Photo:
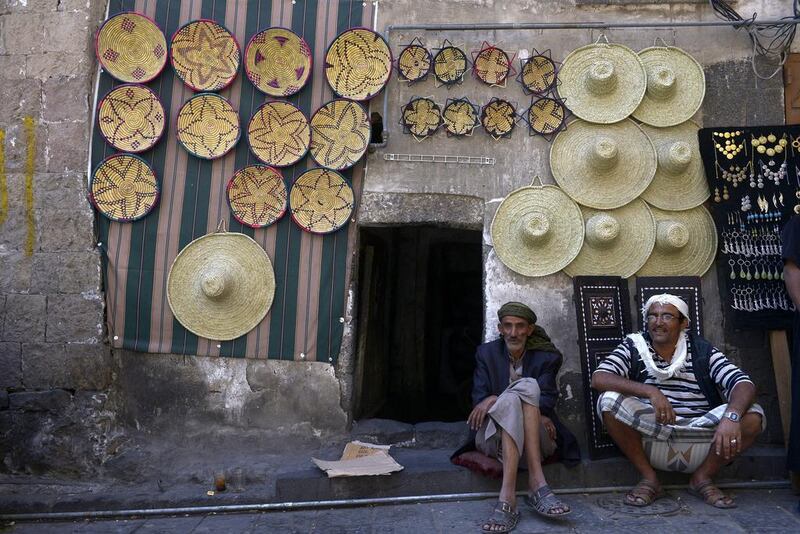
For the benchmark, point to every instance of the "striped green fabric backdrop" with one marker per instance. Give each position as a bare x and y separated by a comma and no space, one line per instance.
311,271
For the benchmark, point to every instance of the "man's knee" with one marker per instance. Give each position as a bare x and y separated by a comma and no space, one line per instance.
751,424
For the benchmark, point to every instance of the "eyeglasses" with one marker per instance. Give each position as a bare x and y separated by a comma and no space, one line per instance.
666,317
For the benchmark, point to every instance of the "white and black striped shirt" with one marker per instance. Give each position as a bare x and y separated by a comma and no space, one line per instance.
682,389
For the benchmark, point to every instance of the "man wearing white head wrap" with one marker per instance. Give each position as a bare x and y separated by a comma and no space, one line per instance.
662,406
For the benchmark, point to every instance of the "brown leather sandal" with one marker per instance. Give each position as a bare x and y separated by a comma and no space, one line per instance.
712,495
503,516
643,494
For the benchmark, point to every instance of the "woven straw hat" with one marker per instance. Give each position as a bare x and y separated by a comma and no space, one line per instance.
676,86
603,82
537,230
221,285
131,47
603,166
680,181
358,64
617,242
205,55
686,242
131,118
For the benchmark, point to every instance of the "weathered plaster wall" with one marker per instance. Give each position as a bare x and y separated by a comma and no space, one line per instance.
734,96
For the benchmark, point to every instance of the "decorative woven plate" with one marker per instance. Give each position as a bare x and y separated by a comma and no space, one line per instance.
498,118
124,188
546,116
257,196
358,64
321,201
277,61
131,118
538,74
491,66
205,55
279,134
421,117
449,65
131,47
414,63
339,134
460,117
208,126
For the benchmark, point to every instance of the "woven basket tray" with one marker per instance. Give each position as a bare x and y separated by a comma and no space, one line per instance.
321,201
340,134
358,64
421,117
131,118
131,47
205,55
279,134
124,188
278,62
208,126
257,196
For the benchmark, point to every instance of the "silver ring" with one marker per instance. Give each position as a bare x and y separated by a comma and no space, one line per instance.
733,440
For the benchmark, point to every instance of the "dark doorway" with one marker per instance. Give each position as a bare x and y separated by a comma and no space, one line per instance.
419,321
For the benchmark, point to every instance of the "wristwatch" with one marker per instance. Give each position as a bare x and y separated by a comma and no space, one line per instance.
733,416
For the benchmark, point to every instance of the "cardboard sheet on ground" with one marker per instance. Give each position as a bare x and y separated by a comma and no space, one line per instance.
360,459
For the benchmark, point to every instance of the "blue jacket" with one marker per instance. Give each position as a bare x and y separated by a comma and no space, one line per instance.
491,378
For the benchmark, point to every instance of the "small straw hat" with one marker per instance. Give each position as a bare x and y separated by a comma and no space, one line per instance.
131,47
358,64
602,83
617,242
680,181
537,230
205,55
603,166
686,243
221,285
676,86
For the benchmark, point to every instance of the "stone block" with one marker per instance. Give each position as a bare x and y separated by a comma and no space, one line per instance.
15,272
65,99
22,33
74,318
66,32
382,431
88,366
67,146
17,140
43,365
49,64
78,272
12,67
60,189
20,99
27,6
65,229
25,317
439,435
45,272
10,365
3,399
54,400
15,232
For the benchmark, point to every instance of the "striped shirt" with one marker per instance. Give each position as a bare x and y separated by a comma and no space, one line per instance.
681,390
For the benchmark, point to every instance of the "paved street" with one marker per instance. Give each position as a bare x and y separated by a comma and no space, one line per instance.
759,511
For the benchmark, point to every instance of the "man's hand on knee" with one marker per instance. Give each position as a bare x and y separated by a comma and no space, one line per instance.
478,414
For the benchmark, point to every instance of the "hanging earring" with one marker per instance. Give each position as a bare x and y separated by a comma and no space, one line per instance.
725,195
733,273
716,195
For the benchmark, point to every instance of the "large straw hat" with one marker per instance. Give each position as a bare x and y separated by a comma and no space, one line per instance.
676,86
537,230
603,166
617,242
686,242
221,285
603,82
680,181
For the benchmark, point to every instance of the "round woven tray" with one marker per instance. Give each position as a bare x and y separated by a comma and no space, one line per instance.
546,116
449,65
257,196
279,134
538,74
321,201
460,117
340,133
414,63
421,117
124,188
205,55
498,118
131,118
208,126
131,47
491,66
277,61
358,64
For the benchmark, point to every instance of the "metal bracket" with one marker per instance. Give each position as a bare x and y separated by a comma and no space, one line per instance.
439,158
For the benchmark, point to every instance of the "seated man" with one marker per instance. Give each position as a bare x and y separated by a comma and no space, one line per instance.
662,406
514,395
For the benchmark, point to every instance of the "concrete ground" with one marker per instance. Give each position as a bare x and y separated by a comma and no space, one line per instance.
762,511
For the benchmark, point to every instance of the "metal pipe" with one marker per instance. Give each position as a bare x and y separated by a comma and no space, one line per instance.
556,26
340,503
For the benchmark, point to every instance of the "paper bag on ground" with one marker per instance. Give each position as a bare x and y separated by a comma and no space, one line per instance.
360,459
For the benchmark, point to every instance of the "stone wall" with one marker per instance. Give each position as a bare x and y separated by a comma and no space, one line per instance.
54,368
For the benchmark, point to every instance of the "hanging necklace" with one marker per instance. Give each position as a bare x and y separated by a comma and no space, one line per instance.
726,144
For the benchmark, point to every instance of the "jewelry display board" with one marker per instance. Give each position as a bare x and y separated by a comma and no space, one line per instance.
754,178
601,303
